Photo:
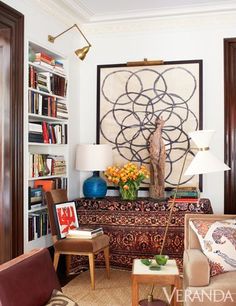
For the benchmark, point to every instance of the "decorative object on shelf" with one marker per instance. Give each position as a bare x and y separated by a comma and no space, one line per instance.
81,53
128,178
94,157
157,161
31,55
203,162
129,100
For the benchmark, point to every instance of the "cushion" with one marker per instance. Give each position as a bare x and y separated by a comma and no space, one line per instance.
58,298
218,243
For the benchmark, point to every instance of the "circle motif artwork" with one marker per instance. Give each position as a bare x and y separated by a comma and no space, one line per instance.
131,98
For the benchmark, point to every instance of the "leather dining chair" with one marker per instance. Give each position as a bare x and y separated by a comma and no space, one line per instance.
69,246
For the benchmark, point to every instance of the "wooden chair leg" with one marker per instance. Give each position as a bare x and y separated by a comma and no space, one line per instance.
91,269
56,260
68,262
107,261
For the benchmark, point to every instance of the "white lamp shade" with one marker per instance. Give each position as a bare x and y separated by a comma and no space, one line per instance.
91,157
202,138
205,162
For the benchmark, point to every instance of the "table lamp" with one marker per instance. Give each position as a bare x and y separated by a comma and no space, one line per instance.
95,158
203,162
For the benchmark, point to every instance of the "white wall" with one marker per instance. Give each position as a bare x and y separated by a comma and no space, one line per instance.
175,38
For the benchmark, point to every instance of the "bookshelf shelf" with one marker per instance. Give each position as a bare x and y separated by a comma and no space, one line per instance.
46,177
47,141
43,93
46,69
32,210
47,144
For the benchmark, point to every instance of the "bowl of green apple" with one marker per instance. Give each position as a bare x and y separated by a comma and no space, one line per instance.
161,259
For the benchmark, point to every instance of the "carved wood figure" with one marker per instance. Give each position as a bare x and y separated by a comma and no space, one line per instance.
157,161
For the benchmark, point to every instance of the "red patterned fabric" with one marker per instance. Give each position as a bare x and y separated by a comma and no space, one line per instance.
136,228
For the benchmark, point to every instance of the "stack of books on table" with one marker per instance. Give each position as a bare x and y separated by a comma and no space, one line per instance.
84,232
186,194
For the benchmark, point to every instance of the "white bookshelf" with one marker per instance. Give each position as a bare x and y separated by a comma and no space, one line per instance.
33,237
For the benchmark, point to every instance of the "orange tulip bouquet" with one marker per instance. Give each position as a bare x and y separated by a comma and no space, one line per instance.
128,178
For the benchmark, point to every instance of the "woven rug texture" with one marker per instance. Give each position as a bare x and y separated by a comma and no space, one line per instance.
115,291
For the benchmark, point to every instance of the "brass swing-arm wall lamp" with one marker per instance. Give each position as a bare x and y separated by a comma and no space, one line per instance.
81,53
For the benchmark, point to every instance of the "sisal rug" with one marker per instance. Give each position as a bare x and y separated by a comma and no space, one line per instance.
115,291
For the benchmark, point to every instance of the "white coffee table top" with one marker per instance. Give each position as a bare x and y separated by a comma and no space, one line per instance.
169,269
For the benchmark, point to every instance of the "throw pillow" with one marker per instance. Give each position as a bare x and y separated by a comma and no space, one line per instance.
218,243
58,298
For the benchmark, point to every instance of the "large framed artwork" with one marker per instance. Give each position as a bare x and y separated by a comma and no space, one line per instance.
131,98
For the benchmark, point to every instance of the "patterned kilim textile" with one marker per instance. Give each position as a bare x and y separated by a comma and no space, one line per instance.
136,228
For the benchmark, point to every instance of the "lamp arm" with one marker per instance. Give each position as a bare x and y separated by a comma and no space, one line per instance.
52,38
173,201
82,34
55,37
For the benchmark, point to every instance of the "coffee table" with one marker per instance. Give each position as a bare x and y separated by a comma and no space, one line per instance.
168,275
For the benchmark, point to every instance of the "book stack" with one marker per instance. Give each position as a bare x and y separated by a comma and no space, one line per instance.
44,164
58,85
84,233
38,225
43,81
44,59
62,111
58,165
47,82
43,132
49,184
186,194
35,132
59,67
35,197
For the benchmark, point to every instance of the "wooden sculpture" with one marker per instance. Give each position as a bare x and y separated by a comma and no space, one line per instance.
157,161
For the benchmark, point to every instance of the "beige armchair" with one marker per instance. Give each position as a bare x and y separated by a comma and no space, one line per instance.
199,288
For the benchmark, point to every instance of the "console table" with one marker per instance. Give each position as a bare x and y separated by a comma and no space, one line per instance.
136,228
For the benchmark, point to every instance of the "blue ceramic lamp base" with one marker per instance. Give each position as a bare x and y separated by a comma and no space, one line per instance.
95,187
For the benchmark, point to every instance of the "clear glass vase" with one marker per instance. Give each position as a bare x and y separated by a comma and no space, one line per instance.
129,194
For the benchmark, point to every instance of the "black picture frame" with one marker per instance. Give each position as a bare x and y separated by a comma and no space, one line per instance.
68,221
102,77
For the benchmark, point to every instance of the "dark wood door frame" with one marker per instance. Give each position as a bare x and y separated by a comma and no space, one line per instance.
230,124
12,204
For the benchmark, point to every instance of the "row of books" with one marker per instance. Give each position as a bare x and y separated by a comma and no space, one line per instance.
47,82
46,165
44,132
84,232
36,192
38,225
186,194
46,106
48,61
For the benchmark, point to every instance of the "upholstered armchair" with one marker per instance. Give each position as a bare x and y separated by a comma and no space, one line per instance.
201,288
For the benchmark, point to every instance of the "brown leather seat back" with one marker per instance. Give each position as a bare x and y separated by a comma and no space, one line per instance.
52,197
28,280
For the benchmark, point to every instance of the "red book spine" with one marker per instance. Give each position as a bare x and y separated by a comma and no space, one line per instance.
45,132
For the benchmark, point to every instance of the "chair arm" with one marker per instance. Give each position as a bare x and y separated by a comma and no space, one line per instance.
196,268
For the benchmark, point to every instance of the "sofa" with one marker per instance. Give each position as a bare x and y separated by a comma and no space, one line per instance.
200,288
30,280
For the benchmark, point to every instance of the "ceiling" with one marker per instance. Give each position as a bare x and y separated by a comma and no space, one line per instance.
109,10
